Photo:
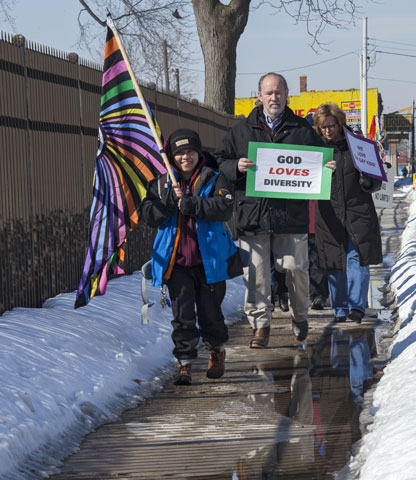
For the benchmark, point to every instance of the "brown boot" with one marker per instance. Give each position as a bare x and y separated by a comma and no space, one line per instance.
260,338
184,375
216,367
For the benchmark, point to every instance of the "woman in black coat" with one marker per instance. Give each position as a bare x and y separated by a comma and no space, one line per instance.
347,229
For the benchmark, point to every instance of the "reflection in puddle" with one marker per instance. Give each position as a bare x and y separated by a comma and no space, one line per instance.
317,394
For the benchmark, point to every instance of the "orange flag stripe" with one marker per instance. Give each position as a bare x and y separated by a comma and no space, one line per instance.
111,46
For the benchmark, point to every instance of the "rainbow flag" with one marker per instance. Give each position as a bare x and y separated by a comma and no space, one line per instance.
128,157
374,133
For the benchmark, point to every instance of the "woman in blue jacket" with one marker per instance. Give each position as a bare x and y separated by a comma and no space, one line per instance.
193,253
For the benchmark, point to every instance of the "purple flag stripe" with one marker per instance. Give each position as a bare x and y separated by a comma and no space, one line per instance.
111,181
114,133
118,197
122,119
112,72
141,151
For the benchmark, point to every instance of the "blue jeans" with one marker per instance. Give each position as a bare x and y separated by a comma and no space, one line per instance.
348,290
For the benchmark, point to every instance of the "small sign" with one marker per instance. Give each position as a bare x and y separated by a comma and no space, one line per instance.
365,155
352,112
384,197
289,171
397,122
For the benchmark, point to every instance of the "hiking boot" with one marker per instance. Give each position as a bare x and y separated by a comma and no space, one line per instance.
356,315
216,367
300,330
318,303
284,302
184,375
260,338
340,319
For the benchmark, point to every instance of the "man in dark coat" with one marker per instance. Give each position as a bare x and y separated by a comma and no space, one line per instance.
270,226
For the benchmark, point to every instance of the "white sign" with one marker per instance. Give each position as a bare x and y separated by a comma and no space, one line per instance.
289,171
365,156
384,197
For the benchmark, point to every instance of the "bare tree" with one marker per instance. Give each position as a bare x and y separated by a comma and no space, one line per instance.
143,26
316,14
220,27
6,8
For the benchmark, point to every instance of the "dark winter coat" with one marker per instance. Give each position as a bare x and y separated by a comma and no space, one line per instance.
264,215
349,211
210,205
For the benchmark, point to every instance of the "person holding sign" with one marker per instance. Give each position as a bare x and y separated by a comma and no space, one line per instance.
270,226
347,229
193,253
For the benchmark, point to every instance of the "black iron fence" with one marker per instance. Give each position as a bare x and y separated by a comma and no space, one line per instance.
49,106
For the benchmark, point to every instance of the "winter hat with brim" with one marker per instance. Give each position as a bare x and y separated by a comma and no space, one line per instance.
184,139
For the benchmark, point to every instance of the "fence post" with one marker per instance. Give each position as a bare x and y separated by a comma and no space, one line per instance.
20,41
74,58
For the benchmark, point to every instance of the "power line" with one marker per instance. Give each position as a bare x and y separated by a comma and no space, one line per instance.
400,54
391,80
374,45
397,43
304,66
288,69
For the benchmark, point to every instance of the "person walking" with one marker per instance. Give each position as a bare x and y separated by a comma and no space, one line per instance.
270,226
346,226
193,253
318,278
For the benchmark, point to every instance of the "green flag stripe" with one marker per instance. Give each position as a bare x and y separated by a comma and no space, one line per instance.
123,87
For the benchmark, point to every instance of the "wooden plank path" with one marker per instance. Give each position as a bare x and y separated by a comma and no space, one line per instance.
284,412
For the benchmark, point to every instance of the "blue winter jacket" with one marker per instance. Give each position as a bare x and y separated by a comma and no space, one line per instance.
210,206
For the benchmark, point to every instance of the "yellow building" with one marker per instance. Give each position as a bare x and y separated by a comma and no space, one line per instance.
308,102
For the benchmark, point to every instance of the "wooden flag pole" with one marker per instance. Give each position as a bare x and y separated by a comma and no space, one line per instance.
147,114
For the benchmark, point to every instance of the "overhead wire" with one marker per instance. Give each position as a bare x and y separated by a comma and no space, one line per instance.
356,51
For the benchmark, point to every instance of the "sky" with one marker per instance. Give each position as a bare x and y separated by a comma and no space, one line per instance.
273,43
64,372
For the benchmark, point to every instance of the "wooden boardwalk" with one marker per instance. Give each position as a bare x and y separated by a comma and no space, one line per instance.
286,412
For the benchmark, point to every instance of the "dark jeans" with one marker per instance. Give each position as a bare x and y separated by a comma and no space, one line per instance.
348,290
318,279
188,286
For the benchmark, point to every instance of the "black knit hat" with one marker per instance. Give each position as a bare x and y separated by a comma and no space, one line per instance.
184,139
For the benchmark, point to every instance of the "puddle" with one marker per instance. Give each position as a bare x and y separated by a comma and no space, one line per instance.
315,396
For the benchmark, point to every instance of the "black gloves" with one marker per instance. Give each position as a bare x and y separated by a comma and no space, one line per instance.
365,182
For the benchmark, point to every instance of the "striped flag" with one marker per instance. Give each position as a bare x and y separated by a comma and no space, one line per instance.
374,133
128,157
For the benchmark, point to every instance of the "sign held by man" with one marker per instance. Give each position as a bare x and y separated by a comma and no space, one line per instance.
289,171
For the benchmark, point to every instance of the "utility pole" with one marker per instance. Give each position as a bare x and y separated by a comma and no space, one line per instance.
364,115
176,72
165,64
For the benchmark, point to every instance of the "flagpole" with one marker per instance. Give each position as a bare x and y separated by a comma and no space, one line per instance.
110,23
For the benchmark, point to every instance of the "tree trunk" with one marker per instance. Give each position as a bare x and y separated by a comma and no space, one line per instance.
219,29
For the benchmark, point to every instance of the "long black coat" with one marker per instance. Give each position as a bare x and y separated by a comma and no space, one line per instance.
350,211
264,215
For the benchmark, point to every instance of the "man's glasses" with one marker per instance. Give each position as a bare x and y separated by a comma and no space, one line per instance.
328,127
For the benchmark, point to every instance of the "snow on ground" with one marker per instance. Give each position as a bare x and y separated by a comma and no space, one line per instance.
387,450
65,371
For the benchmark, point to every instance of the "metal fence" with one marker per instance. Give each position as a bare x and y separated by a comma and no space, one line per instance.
49,106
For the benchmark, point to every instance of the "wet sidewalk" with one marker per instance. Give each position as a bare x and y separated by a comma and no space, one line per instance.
288,412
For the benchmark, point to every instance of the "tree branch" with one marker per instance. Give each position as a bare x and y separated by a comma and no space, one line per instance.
93,15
